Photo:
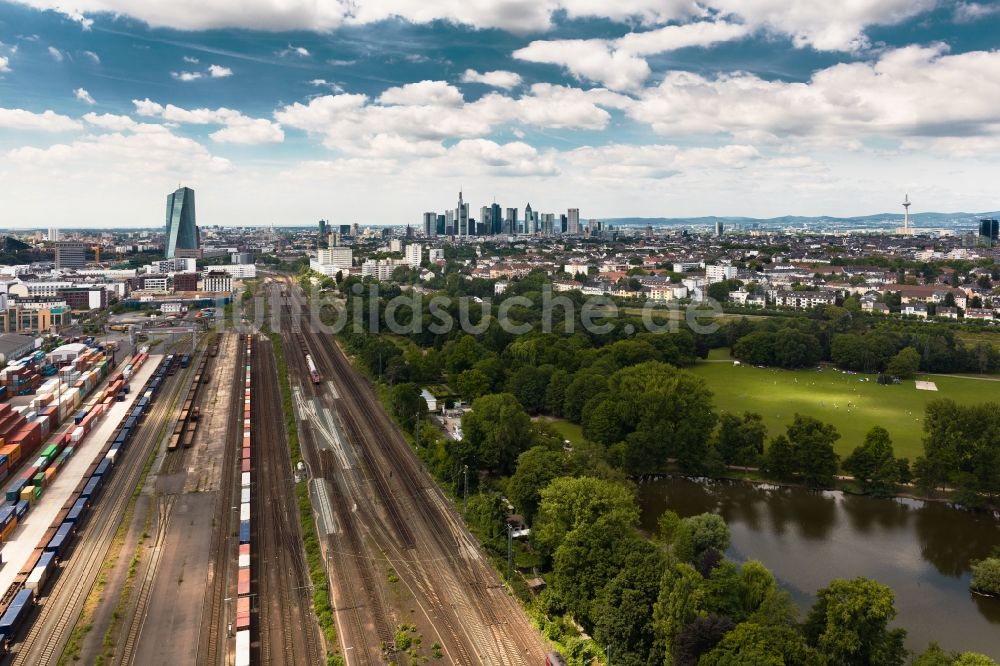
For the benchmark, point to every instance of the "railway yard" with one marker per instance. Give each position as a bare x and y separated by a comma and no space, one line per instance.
398,553
161,524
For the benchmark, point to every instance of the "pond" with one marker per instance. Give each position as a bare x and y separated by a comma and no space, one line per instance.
920,549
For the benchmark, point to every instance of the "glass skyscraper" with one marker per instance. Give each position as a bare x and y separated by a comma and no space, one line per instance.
182,232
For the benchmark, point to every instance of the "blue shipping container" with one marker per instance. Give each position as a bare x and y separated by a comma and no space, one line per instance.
79,507
93,486
14,492
21,508
81,415
19,608
103,468
6,514
60,541
244,531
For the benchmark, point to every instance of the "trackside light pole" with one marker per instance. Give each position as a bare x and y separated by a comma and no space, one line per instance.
510,552
465,497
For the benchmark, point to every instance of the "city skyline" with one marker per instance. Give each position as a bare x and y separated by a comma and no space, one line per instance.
278,111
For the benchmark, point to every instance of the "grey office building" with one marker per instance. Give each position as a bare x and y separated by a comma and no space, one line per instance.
71,254
182,231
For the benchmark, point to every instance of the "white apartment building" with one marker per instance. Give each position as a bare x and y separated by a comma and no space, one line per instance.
719,273
381,269
414,252
435,254
238,271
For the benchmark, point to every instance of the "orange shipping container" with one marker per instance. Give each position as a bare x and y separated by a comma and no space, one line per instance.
10,529
13,453
243,586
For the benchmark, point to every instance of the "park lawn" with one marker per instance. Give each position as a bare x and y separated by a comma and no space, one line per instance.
853,406
571,431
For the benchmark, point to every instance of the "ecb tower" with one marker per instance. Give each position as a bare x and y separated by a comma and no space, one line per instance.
182,232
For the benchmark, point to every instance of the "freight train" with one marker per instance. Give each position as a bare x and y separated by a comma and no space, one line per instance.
246,510
56,543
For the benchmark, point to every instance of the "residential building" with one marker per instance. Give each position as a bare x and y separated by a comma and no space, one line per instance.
915,310
381,269
238,271
414,253
217,281
71,254
182,230
720,273
805,299
53,234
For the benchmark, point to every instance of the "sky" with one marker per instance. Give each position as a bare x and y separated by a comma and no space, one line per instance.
375,111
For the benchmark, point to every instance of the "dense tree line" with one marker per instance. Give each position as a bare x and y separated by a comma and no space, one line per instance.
856,343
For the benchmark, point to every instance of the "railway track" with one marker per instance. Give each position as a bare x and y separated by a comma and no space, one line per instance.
61,607
138,617
288,632
215,614
460,590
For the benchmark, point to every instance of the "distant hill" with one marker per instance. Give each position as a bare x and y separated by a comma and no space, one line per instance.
878,221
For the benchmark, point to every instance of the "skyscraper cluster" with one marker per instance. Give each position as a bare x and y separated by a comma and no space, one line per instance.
496,221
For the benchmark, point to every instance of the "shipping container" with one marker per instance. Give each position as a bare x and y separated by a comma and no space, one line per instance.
92,488
41,573
245,480
20,509
61,541
245,466
243,612
244,496
20,608
245,511
14,490
103,468
243,582
243,648
78,511
244,561
244,531
9,528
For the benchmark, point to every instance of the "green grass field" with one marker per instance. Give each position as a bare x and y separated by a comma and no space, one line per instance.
570,431
853,406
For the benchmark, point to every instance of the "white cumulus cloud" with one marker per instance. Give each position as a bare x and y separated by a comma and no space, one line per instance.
186,76
56,54
47,121
238,128
497,79
84,96
219,72
423,93
4,64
